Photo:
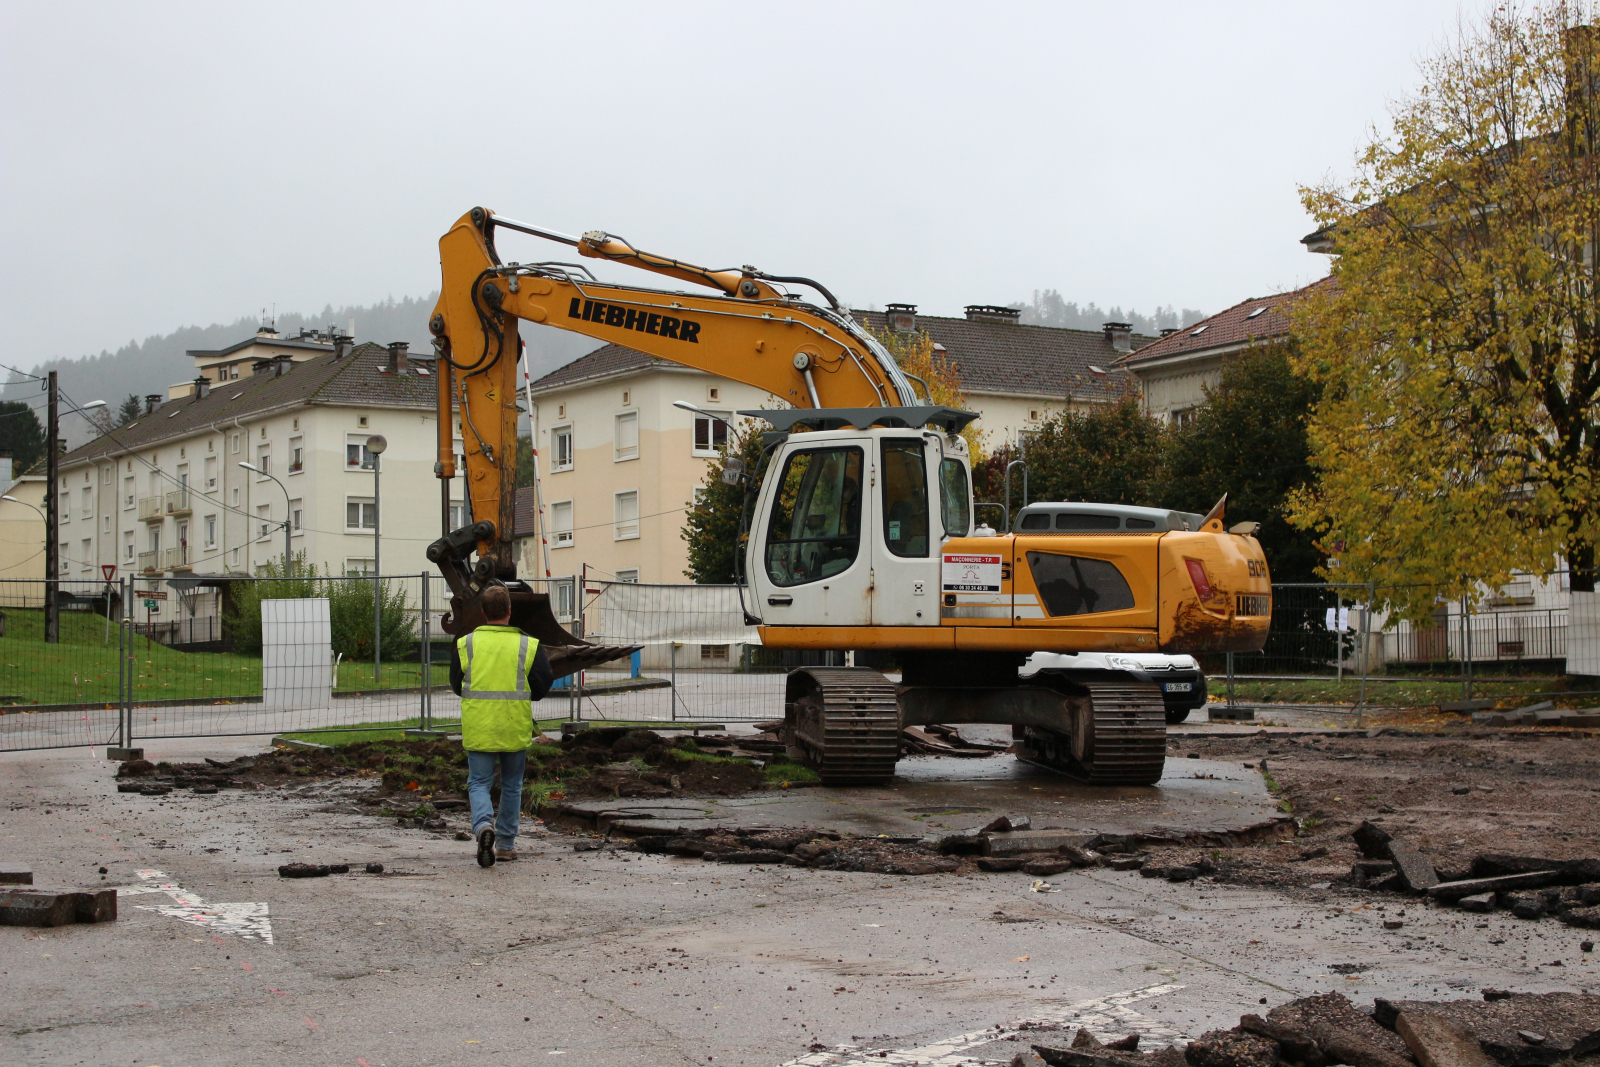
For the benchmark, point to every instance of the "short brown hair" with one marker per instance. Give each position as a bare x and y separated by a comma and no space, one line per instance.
496,602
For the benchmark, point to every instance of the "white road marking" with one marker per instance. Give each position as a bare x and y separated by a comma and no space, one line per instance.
1106,1017
247,920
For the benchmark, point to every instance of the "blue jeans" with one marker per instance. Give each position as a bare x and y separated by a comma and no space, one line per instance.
480,775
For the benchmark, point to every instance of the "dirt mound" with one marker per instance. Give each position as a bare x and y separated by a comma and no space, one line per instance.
608,762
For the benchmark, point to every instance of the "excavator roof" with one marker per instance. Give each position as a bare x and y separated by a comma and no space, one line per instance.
950,420
1074,517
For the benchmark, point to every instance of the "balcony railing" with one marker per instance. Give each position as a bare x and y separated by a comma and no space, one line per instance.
178,502
175,558
152,509
150,562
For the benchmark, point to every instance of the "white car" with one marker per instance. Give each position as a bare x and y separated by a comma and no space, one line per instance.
1183,684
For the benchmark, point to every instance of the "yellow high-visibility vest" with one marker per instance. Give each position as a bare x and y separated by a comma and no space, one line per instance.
496,705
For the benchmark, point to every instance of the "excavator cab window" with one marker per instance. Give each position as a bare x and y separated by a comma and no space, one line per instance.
815,531
905,497
953,497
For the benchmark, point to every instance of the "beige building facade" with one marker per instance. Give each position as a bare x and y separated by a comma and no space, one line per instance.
22,528
165,497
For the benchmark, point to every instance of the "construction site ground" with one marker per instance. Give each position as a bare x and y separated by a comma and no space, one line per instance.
609,956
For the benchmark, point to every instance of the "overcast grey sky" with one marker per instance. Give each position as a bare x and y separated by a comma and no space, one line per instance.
168,164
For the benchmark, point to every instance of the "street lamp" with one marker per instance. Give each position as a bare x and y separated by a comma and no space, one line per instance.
286,523
376,444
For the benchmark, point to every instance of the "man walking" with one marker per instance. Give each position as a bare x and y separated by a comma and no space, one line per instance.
497,670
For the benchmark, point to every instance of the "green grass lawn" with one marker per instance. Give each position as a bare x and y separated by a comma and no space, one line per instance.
1410,692
83,667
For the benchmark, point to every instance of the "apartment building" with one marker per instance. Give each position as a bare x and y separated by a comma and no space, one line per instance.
165,496
621,464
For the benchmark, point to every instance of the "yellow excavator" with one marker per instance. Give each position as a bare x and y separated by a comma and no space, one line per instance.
861,535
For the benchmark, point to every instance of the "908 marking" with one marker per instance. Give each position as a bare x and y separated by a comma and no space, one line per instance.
1257,567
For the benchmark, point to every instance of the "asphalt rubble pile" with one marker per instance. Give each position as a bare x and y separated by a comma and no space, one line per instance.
159,779
1530,887
1008,843
1510,1029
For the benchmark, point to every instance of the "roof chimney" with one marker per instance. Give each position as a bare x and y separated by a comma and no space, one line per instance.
902,318
202,387
993,313
151,402
281,365
266,330
260,366
1120,334
343,345
1168,331
397,357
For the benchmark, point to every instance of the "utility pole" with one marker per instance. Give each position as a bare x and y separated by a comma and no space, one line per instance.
52,517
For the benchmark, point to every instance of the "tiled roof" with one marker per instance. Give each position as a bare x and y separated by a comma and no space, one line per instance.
602,362
1003,357
354,381
993,357
1260,318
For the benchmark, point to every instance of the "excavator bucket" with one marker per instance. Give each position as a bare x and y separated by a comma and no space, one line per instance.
530,613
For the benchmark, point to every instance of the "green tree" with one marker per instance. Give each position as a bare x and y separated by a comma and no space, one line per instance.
1457,438
711,525
129,410
1248,439
21,433
524,461
350,609
1108,454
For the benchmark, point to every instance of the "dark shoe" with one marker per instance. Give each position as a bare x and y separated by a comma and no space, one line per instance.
486,847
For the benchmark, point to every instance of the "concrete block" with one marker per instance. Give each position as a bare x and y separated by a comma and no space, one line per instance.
1034,841
1581,717
1439,1042
94,905
1479,902
289,742
1236,713
33,907
1552,717
1415,872
124,755
15,874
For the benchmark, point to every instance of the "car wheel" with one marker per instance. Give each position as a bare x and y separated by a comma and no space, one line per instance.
1176,715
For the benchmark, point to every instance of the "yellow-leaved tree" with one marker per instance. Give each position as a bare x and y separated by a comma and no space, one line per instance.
914,351
1457,343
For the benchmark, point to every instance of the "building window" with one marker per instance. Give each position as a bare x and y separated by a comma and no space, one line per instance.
211,531
294,516
630,576
263,462
105,524
357,457
625,515
236,557
561,411
127,547
562,592
710,433
296,455
263,521
83,562
105,475
358,566
561,448
211,474
127,493
625,395
61,558
713,653
561,523
234,446
458,515
235,501
713,393
626,442
360,513
1184,417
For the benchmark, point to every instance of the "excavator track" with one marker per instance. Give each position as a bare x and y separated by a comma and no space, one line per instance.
1118,736
845,721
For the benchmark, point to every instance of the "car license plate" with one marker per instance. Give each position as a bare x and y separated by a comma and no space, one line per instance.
1178,687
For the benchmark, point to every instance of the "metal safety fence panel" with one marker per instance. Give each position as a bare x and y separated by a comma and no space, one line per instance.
138,659
700,661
